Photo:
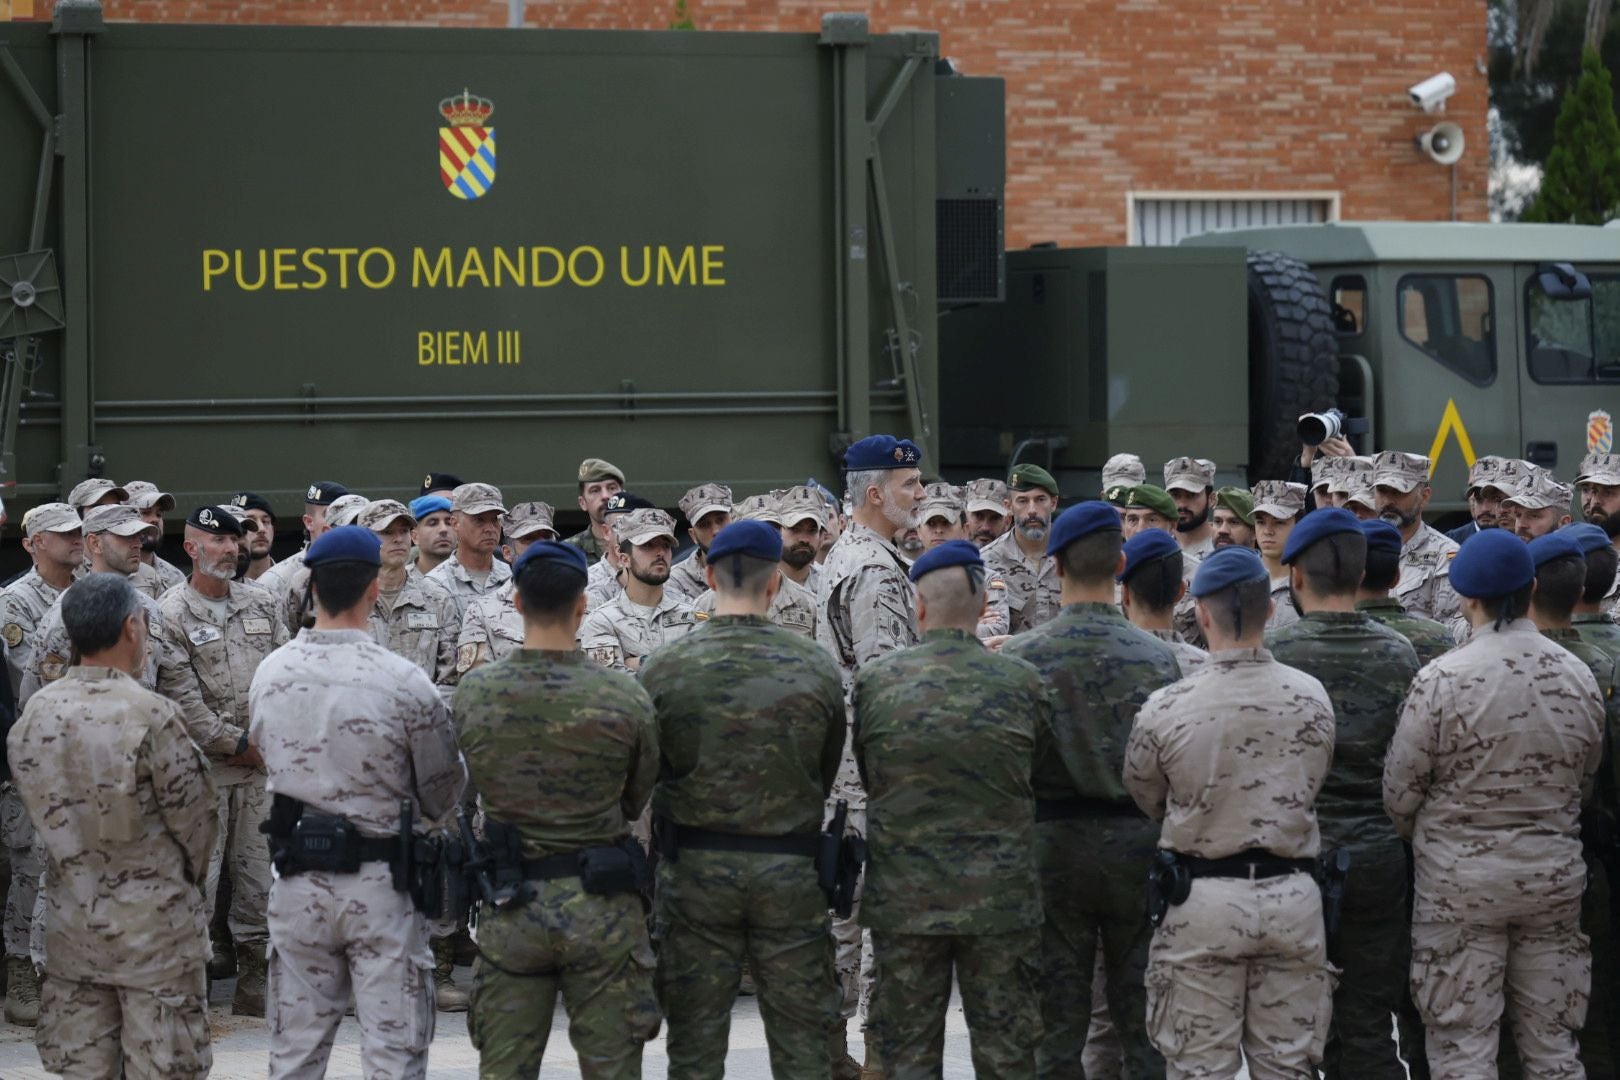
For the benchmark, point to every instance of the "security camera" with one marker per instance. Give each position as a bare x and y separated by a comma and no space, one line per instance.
1430,95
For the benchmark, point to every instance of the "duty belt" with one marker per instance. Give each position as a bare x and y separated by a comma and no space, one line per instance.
689,836
1078,807
1253,864
552,867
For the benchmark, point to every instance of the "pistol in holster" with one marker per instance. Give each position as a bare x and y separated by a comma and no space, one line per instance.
839,859
493,866
1169,883
1332,871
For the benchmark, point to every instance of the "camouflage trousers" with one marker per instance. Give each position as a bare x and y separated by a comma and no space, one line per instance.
241,851
1241,966
911,990
718,908
1372,949
1462,973
337,937
594,952
27,862
1094,892
852,946
97,1030
1103,1057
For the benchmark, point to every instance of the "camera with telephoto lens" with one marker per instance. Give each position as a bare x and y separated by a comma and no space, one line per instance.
1317,428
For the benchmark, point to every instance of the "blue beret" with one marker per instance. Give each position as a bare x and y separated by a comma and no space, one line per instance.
1589,536
555,551
950,553
1319,525
1381,536
1145,546
423,505
1081,519
1492,563
1555,545
346,543
1227,567
882,452
756,539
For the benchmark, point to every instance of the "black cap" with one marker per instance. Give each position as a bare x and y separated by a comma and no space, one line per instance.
440,481
216,520
622,502
252,500
324,493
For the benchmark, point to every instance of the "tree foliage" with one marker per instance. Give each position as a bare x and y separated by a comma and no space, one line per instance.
1581,184
1535,56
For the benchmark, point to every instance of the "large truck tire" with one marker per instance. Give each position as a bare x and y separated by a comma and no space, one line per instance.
1293,358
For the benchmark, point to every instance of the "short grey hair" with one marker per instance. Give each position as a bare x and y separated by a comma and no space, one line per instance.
857,482
94,610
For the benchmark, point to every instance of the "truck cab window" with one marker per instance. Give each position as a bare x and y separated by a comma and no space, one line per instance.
1451,319
1349,296
1574,341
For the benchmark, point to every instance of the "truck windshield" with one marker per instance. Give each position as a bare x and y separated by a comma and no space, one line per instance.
1574,341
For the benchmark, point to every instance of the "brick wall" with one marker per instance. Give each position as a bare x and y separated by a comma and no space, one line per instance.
1105,97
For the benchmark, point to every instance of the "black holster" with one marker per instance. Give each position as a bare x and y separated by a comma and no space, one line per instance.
608,871
1169,883
1332,871
839,860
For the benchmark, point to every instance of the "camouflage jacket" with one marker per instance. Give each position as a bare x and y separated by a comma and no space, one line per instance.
1424,587
1366,669
208,666
945,734
1285,612
463,588
601,585
285,581
127,816
492,630
1188,656
868,605
1033,591
1599,630
350,729
52,654
1101,669
792,608
1606,670
24,604
1232,757
1498,741
750,728
588,543
421,625
1429,638
687,578
168,574
558,748
621,634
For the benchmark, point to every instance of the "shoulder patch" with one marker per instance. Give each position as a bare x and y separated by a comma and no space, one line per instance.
13,634
466,657
52,667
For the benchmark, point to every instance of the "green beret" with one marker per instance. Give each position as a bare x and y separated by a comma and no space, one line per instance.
1237,500
1152,497
1029,477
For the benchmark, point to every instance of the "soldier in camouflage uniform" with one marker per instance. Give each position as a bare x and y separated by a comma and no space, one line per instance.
1485,495
349,730
565,753
1016,559
1538,503
867,607
707,509
1191,483
1599,485
1278,506
985,502
415,618
216,632
1151,584
1089,839
1400,484
803,512
608,573
1601,559
1366,668
1497,741
945,734
1231,759
256,508
598,481
1233,517
492,628
317,497
1383,570
96,491
793,607
751,731
1122,470
126,916
472,570
152,504
623,632
297,609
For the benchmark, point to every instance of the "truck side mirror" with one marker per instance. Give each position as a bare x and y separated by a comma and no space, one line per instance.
1561,281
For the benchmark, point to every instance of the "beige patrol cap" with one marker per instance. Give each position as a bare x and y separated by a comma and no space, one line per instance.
143,495
1513,473
345,509
1189,474
1123,470
248,523
1485,472
704,499
527,518
1279,498
593,470
1323,469
1399,470
941,500
758,508
986,493
1599,469
476,499
1362,495
1539,490
639,526
120,519
802,503
51,517
86,492
1350,474
377,516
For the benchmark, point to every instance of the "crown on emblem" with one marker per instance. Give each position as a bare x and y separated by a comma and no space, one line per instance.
466,109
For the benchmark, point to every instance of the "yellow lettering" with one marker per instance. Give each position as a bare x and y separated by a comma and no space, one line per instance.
472,263
573,268
505,265
212,268
624,267
535,255
452,349
476,347
343,263
283,262
314,267
685,268
241,282
388,261
426,354
712,264
439,269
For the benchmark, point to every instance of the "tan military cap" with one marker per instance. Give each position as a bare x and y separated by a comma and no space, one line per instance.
476,499
51,517
377,516
86,492
248,523
527,518
1599,469
758,508
120,519
143,496
345,510
941,500
986,493
1322,469
802,503
1189,474
640,526
594,469
1279,498
704,499
1350,474
1362,495
1484,472
1512,473
1539,490
1123,470
1400,470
